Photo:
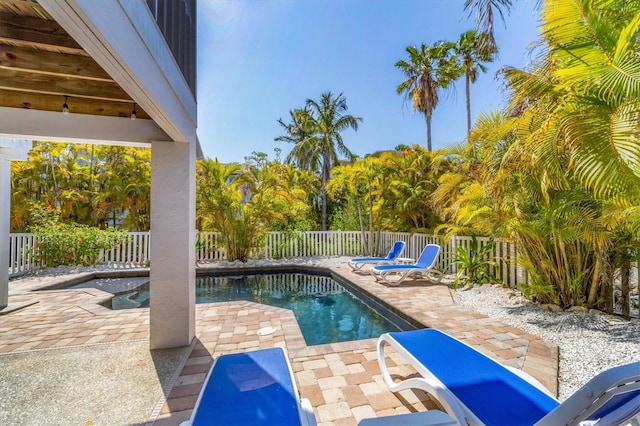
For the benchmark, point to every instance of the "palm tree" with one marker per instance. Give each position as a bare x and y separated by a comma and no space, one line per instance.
477,197
584,97
484,12
316,131
298,130
467,49
559,173
427,69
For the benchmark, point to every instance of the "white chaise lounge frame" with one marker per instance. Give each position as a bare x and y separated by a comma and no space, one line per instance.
578,407
423,268
357,263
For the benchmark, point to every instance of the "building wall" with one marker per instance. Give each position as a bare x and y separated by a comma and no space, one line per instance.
177,21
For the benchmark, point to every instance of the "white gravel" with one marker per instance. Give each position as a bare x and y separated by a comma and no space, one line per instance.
589,342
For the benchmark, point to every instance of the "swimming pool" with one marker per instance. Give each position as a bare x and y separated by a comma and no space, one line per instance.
327,311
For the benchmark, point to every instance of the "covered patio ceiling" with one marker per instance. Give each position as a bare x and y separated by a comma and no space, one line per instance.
101,56
41,64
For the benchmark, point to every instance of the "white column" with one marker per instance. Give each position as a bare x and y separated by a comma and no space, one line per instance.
10,149
5,207
172,275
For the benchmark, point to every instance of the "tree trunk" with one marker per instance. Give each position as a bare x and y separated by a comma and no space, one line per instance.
428,118
371,224
326,172
362,230
324,207
468,92
595,283
625,276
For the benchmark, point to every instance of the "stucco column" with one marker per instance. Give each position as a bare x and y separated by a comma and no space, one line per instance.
10,149
172,276
5,205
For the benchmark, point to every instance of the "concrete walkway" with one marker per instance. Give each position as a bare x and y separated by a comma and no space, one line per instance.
342,380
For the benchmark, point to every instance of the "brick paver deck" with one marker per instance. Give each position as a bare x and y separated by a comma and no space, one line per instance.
342,380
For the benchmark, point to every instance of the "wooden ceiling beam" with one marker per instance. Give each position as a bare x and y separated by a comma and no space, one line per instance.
25,8
54,63
60,85
81,128
35,31
46,102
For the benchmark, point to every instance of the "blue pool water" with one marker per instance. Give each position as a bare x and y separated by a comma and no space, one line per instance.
325,310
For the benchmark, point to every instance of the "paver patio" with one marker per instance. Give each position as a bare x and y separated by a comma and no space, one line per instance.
342,380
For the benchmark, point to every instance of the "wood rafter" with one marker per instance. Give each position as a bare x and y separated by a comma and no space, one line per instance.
36,32
61,85
47,102
40,64
53,63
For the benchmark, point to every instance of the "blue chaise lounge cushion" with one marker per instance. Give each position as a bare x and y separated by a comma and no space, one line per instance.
251,388
492,392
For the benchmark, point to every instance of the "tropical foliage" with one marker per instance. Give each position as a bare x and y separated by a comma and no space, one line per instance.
70,243
484,12
242,202
587,140
389,191
93,185
474,263
316,132
559,172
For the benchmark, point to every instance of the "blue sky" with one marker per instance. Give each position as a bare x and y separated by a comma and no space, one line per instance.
259,59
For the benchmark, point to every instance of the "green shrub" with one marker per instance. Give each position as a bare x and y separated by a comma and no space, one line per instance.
473,264
73,244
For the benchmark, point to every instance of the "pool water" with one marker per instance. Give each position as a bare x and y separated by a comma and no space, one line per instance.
325,310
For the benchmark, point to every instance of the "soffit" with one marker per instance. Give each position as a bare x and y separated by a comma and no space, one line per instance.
40,64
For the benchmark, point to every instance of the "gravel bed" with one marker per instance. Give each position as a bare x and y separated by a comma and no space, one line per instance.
589,342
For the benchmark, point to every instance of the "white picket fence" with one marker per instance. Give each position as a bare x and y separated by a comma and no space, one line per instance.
134,251
20,254
278,245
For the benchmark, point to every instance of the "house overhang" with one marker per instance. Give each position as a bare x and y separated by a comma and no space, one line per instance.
102,58
123,38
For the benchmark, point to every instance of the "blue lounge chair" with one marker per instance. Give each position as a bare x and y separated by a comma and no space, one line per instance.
357,263
251,388
423,268
476,390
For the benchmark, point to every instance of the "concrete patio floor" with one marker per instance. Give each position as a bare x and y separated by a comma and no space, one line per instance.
342,380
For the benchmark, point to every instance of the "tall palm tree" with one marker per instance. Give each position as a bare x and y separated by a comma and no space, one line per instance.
316,132
427,69
484,13
467,49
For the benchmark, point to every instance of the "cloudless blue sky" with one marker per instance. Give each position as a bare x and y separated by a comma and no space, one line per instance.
259,59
